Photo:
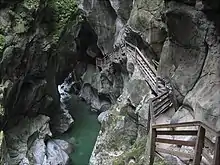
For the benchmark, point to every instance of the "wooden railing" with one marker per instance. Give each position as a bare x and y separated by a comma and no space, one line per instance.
200,144
144,65
160,104
109,57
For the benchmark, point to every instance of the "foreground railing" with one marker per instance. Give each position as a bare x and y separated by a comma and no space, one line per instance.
198,144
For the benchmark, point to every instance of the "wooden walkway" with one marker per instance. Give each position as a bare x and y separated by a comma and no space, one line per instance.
160,104
200,145
162,101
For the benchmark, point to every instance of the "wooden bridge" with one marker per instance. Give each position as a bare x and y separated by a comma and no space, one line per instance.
160,104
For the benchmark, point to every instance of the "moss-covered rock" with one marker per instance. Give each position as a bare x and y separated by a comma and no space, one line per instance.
64,11
136,152
31,4
159,161
2,43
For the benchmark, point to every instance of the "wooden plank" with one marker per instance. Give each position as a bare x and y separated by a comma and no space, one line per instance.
179,132
185,124
199,146
162,110
216,159
142,56
188,124
162,103
160,96
177,142
160,100
153,146
146,73
175,153
206,156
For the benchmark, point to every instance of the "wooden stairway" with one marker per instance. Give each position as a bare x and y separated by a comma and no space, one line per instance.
162,101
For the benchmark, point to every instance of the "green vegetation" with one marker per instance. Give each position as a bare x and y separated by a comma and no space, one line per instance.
64,10
2,42
31,4
159,161
136,152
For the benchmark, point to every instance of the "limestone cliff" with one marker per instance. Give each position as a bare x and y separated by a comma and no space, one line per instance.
41,42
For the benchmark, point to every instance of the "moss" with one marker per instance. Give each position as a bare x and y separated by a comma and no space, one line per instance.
2,43
136,152
159,161
1,111
31,4
64,10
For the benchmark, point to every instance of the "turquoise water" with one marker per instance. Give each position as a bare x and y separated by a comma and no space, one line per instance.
85,131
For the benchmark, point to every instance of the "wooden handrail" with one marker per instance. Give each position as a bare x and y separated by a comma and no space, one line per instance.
198,144
142,56
188,124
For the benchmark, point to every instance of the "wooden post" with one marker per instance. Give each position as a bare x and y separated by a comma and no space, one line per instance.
153,146
135,54
216,159
157,92
125,48
199,146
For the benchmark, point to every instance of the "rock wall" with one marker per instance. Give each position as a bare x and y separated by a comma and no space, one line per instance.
30,66
183,36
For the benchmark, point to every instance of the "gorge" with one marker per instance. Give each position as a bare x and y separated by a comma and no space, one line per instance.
78,78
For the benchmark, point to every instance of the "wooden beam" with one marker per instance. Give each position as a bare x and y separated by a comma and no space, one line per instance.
216,160
179,132
189,124
177,142
153,146
175,153
199,146
186,124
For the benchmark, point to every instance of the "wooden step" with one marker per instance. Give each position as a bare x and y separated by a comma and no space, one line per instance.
163,105
163,109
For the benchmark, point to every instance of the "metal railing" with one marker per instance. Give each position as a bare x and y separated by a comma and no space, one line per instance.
200,145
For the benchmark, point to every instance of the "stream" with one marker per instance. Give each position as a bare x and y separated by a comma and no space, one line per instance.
85,128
